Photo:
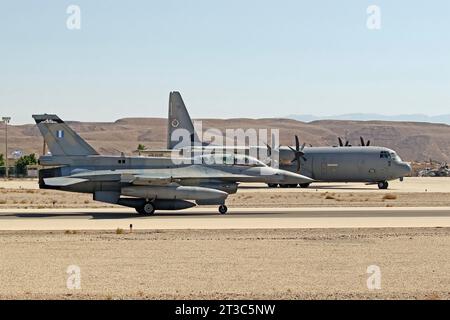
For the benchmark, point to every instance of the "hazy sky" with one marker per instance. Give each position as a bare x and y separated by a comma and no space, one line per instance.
233,58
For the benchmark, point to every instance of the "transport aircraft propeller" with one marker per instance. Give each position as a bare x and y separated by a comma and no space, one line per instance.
298,152
363,143
341,143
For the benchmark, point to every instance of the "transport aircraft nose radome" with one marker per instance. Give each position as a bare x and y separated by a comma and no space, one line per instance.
407,168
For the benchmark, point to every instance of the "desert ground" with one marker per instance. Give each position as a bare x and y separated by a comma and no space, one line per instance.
314,243
227,264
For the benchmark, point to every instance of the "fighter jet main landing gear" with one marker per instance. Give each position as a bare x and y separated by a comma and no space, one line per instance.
223,209
383,185
147,209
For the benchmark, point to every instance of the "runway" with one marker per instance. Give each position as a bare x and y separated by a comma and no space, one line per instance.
237,218
409,185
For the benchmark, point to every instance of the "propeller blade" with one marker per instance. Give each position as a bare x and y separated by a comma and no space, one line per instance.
368,143
303,146
362,141
346,143
298,152
296,158
295,154
341,144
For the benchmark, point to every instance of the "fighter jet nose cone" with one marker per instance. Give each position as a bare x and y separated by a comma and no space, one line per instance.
293,178
306,179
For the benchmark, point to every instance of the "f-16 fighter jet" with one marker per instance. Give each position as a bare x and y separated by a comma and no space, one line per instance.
146,184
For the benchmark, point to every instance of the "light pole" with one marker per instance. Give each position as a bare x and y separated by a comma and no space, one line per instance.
6,121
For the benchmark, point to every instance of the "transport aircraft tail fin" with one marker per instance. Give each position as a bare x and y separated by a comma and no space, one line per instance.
179,119
60,138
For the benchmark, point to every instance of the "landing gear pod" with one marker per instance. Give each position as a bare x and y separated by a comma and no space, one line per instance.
383,185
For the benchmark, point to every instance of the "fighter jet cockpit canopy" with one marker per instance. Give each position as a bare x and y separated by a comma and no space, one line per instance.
230,159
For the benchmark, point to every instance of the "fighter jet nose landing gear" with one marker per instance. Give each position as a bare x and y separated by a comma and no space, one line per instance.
304,185
147,209
223,209
383,185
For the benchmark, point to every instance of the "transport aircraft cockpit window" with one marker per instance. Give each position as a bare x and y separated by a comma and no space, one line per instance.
395,156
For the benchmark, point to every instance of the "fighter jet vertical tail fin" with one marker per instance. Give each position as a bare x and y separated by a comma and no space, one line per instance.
179,119
60,138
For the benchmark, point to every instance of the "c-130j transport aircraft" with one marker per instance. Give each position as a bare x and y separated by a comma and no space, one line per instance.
144,183
368,164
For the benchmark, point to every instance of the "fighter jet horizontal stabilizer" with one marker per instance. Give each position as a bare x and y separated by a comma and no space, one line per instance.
62,181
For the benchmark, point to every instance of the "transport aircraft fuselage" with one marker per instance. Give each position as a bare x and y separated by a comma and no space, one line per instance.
369,164
333,164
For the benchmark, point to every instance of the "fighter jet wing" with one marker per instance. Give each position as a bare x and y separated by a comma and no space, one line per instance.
148,178
100,176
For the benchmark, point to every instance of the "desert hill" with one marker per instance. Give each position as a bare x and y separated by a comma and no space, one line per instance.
414,141
442,118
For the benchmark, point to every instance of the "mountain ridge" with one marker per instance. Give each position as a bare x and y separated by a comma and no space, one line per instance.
443,118
414,141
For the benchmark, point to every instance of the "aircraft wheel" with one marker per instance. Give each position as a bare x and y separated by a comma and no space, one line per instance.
304,185
272,185
148,209
223,209
383,185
